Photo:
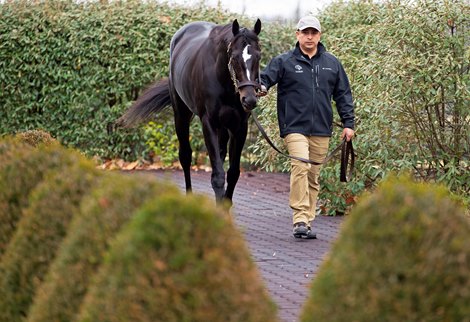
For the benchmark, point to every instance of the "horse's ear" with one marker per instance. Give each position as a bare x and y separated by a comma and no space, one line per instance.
235,27
257,29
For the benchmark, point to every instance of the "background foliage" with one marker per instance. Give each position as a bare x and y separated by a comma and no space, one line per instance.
408,64
73,68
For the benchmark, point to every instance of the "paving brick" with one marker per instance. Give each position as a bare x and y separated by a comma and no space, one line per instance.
261,212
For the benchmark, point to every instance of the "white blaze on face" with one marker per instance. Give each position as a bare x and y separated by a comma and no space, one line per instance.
246,57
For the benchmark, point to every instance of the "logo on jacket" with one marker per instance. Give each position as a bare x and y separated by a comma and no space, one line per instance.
298,69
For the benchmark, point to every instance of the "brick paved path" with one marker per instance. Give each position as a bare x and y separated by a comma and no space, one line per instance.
262,213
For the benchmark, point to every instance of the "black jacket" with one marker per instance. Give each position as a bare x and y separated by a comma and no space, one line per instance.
305,89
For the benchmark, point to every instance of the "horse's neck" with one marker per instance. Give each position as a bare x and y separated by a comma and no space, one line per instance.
222,61
220,37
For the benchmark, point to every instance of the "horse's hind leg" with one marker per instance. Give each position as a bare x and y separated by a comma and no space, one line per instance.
183,118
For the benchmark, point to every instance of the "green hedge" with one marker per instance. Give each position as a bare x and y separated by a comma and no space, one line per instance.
178,260
72,68
402,255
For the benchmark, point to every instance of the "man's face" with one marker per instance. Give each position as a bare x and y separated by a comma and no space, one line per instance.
308,38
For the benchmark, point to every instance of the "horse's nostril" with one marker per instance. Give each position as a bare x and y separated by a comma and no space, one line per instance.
248,102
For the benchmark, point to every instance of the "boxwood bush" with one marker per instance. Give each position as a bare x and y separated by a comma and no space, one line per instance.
179,259
11,198
102,213
402,255
22,168
43,224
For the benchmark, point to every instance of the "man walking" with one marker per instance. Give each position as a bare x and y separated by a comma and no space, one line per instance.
308,77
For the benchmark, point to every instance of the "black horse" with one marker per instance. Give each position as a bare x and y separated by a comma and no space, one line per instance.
214,73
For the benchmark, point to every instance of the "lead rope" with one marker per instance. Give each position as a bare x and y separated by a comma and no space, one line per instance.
346,147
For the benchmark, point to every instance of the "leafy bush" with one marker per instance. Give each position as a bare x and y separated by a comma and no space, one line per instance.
402,255
162,141
22,167
409,67
178,260
102,213
43,224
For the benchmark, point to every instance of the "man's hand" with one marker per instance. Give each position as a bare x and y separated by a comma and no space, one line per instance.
262,92
348,133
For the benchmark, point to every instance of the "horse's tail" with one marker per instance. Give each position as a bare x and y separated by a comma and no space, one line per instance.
153,100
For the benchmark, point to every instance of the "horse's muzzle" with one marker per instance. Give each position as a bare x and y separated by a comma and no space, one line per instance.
249,102
248,96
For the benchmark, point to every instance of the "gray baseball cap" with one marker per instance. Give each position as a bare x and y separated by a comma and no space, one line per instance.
308,22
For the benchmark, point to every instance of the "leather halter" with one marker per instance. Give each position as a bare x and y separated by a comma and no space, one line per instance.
236,83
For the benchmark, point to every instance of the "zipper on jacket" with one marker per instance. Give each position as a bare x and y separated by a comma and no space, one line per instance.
313,78
317,73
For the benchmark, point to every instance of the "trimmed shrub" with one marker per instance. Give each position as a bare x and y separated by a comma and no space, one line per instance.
43,224
178,260
22,167
402,255
103,212
11,197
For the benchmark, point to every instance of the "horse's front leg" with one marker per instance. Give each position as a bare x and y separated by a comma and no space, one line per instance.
223,140
212,145
237,142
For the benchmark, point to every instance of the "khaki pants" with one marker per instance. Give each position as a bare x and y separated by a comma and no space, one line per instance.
304,184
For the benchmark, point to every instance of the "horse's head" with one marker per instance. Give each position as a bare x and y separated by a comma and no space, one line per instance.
244,56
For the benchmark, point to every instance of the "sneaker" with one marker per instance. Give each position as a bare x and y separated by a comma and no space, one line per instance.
300,229
310,234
